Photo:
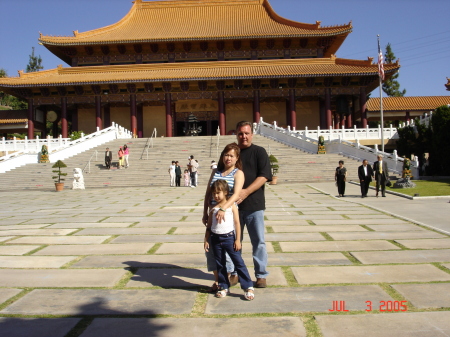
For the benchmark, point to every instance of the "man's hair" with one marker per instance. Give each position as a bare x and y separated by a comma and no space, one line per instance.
341,162
365,160
244,123
220,185
192,157
379,155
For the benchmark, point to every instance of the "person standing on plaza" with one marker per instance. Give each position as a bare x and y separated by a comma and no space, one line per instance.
229,169
126,153
120,155
108,158
172,173
251,201
193,165
381,175
177,174
365,175
213,165
187,178
340,176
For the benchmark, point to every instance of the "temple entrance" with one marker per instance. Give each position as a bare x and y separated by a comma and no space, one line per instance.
196,117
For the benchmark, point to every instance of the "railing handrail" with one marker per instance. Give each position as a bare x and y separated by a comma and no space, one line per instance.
148,143
89,162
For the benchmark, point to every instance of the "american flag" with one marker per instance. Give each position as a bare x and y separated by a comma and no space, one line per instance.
380,61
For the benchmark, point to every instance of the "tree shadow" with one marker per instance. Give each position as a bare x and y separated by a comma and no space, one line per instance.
167,275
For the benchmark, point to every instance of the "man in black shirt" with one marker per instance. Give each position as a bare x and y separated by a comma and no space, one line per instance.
256,167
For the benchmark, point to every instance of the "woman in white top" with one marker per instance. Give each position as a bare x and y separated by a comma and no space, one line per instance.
229,168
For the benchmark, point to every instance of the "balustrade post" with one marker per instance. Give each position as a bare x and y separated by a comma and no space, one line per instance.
379,131
395,155
4,144
14,144
306,131
343,131
25,146
37,143
60,140
367,132
98,129
275,124
355,134
357,144
375,147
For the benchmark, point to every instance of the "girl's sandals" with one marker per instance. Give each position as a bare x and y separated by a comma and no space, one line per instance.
221,293
249,294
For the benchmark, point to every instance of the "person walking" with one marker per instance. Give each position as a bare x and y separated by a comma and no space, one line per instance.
193,165
126,153
251,201
340,176
108,158
365,175
177,174
172,173
187,178
381,175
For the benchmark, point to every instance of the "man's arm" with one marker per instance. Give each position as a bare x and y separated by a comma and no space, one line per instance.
256,184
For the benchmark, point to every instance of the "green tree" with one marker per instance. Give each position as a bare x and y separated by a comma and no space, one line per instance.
391,86
439,158
35,62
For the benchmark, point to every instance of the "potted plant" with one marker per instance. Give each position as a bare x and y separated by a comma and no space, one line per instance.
58,184
274,168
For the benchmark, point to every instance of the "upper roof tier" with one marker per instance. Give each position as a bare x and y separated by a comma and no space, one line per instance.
188,20
410,103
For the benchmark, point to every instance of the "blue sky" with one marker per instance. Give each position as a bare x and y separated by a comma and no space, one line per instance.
418,31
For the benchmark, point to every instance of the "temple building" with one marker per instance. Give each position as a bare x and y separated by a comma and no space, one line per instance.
217,61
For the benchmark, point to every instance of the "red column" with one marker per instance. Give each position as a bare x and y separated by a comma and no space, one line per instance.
98,111
336,120
348,121
256,106
222,120
362,107
328,107
133,118
407,117
30,133
168,98
342,121
353,111
292,111
64,130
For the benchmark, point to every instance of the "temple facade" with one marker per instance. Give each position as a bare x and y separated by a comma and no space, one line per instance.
216,61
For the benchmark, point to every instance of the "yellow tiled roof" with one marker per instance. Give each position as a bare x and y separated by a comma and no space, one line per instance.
194,71
13,121
185,20
408,103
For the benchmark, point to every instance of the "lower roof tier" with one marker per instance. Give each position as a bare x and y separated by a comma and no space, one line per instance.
197,71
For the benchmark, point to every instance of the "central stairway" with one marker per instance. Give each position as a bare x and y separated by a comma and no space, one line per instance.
295,165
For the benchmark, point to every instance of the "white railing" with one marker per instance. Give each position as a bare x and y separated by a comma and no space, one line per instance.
349,134
65,149
149,143
32,145
340,146
87,167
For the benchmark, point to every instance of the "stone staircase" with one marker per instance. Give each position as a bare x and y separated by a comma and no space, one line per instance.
295,165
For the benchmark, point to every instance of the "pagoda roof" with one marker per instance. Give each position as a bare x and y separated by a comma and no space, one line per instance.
195,71
13,116
187,20
413,103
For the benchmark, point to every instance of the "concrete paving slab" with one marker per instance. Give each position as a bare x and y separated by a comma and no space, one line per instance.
157,238
292,237
34,261
59,219
137,248
306,229
228,327
43,231
336,246
5,238
169,224
385,235
369,216
302,219
16,249
122,231
397,228
197,248
125,219
61,240
166,218
103,302
279,300
378,221
305,259
91,225
7,293
446,265
369,274
6,227
435,295
57,278
417,324
183,277
403,256
363,210
142,261
425,244
36,327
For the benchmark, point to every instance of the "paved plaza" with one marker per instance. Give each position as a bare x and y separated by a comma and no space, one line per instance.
130,262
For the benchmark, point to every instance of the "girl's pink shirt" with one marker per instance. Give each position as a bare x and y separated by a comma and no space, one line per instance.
126,151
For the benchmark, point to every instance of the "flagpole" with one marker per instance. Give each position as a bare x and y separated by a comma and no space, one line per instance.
380,60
